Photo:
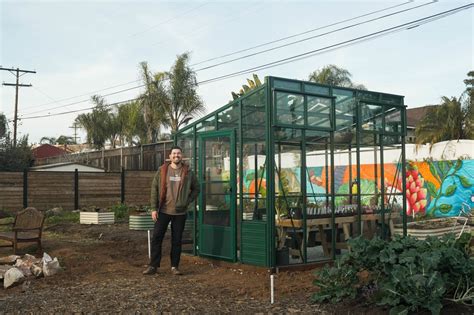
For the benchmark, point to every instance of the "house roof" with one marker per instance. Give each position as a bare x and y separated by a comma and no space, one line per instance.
47,150
71,165
414,115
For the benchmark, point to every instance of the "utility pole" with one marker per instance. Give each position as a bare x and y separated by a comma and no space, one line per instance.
16,72
75,126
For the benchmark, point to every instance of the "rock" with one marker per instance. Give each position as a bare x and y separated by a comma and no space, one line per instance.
9,259
3,269
36,270
50,266
23,266
12,276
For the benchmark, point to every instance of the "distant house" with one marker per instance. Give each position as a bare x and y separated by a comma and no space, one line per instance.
47,150
414,115
66,167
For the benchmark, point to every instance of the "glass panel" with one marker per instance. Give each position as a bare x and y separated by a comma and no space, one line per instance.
310,88
216,194
345,109
207,125
393,120
228,118
287,85
371,117
254,116
319,112
391,99
254,181
290,108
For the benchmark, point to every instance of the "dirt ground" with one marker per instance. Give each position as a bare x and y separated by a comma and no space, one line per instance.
102,268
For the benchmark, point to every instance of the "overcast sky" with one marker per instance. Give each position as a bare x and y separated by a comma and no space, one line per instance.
79,47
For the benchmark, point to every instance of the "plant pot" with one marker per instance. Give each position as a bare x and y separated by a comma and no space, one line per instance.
96,217
141,222
422,229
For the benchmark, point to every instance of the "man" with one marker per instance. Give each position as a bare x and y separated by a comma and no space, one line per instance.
174,187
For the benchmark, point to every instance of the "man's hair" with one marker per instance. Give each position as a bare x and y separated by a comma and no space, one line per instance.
176,147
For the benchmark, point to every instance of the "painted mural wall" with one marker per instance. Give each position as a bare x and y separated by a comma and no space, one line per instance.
434,188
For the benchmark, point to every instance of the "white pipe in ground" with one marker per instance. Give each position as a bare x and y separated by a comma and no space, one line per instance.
149,247
272,295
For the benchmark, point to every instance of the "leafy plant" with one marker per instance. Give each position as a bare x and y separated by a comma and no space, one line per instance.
120,211
405,274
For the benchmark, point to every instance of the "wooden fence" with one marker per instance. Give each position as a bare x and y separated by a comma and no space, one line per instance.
73,190
147,157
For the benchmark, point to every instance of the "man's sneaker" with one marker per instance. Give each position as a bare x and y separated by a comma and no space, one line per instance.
176,271
150,271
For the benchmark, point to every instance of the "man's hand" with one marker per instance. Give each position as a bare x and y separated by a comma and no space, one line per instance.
154,215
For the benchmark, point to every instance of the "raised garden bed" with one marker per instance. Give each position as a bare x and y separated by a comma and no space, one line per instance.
435,227
141,222
96,217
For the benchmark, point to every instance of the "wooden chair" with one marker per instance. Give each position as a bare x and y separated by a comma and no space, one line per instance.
27,228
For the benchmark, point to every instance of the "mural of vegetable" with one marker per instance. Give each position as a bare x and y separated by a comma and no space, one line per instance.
416,194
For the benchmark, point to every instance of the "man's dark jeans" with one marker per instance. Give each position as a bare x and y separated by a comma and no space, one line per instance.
159,231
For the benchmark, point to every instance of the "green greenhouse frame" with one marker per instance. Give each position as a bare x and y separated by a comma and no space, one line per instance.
283,172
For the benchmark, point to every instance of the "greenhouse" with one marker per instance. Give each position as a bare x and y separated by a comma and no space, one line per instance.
292,169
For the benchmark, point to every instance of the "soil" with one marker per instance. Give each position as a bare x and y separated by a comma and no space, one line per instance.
102,272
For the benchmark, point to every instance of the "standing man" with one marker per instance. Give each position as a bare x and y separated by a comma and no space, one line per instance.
174,187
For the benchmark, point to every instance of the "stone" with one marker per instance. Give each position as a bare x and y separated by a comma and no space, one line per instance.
50,266
36,270
12,276
9,259
3,269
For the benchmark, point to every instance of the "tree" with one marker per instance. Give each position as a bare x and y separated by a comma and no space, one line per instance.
49,140
133,127
62,139
3,125
252,84
456,115
153,102
173,94
96,124
335,76
13,158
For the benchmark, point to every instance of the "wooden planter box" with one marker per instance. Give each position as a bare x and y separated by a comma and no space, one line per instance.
413,228
141,222
97,217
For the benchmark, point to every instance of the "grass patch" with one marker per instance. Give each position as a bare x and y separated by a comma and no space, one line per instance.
63,217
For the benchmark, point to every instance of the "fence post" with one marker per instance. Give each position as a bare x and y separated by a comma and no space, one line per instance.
25,188
122,186
76,189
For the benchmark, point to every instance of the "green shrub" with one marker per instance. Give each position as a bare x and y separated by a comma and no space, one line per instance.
405,274
120,211
63,217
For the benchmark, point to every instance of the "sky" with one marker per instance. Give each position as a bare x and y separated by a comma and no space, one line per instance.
82,48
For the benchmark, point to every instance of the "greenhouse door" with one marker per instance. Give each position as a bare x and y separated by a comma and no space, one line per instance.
217,177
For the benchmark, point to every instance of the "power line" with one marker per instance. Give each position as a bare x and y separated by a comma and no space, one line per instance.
384,32
400,27
281,39
219,57
315,36
302,33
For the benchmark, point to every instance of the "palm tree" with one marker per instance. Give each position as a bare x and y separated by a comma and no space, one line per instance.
48,140
133,127
252,84
335,76
62,139
96,124
453,119
153,102
170,98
